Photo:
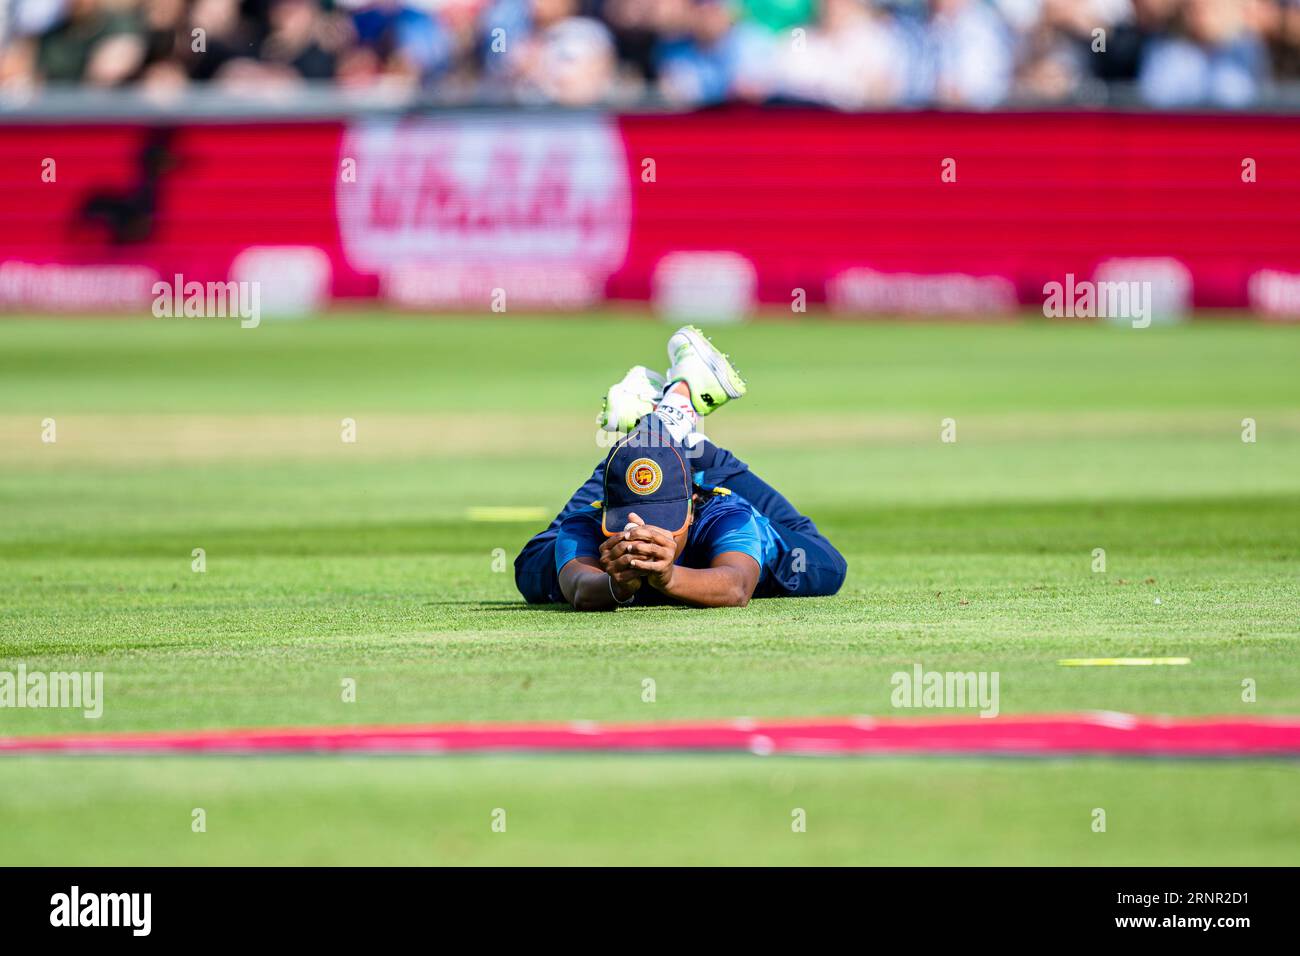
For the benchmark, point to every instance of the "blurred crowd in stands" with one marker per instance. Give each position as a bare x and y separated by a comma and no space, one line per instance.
848,54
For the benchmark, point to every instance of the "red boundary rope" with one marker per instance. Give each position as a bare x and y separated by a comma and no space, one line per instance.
1039,736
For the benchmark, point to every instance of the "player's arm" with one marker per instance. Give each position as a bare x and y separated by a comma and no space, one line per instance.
588,588
729,581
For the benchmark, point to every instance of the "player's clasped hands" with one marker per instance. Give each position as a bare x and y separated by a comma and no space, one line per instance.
640,551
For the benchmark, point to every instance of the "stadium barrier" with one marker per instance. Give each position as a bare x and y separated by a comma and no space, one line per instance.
713,212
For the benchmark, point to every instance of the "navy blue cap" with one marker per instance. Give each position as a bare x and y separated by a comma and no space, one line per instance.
646,473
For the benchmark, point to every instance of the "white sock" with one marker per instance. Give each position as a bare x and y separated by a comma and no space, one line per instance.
677,414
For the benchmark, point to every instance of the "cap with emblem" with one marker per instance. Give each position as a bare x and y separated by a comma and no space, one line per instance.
646,474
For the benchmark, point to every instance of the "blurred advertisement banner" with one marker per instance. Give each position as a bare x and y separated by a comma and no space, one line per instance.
884,213
509,189
472,210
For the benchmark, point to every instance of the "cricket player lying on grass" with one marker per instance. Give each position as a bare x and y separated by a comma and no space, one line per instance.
671,518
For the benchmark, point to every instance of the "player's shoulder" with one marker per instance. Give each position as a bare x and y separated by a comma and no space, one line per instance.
728,523
582,520
724,507
578,535
723,500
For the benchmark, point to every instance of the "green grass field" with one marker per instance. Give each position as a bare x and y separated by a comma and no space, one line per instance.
387,561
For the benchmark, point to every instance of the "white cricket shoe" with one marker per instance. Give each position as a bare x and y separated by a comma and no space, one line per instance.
630,400
709,374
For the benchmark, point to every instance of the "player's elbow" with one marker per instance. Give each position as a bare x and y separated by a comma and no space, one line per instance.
738,595
577,589
736,583
583,600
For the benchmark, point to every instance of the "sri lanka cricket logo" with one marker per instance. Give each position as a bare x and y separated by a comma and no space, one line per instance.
644,476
